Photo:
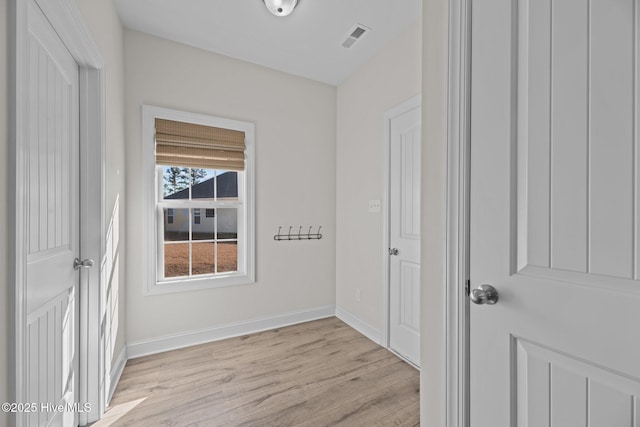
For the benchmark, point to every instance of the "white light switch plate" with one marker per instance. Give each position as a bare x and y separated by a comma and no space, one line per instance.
374,205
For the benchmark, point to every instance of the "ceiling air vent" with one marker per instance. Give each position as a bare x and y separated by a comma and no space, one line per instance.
355,34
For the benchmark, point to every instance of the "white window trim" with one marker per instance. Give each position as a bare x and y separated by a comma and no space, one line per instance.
244,275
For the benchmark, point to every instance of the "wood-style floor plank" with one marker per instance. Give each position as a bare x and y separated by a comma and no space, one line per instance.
320,373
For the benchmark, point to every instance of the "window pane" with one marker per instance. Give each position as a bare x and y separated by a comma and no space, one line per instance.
203,258
227,220
227,185
203,183
202,227
176,259
175,182
178,229
227,257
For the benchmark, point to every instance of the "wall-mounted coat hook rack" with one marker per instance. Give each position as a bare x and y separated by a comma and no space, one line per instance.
292,235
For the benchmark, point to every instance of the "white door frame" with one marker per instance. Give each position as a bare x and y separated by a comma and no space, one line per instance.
445,213
408,105
66,19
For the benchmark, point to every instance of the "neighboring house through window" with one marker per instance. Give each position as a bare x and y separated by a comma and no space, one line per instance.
199,163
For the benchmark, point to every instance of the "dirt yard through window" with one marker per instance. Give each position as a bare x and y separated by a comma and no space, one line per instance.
176,258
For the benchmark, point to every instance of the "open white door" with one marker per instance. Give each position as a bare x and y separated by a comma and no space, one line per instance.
404,233
51,293
554,213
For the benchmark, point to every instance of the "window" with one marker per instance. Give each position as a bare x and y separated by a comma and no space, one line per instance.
198,163
193,246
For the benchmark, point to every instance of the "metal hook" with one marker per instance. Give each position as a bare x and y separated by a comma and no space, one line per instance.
299,236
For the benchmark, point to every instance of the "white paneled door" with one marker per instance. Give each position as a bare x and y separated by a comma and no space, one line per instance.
554,213
52,224
404,235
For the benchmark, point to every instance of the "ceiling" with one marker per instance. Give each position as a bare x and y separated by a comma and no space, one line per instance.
307,43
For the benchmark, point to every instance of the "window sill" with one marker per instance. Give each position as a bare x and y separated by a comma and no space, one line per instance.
197,284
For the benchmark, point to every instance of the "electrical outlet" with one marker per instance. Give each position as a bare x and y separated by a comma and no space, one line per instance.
357,295
374,206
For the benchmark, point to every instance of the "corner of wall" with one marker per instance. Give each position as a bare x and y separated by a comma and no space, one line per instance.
395,72
359,325
117,369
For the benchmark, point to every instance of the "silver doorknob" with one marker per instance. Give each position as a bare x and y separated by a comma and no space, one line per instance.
85,263
393,251
484,294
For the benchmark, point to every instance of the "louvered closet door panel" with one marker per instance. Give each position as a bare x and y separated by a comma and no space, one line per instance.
52,225
577,138
554,213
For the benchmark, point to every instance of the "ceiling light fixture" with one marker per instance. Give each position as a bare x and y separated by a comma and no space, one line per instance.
280,7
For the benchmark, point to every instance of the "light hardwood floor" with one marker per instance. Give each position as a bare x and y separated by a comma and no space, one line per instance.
320,373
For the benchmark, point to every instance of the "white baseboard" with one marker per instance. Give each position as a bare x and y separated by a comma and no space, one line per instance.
116,371
363,327
230,330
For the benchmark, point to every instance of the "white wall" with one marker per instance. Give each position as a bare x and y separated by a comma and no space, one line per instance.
295,175
392,76
5,284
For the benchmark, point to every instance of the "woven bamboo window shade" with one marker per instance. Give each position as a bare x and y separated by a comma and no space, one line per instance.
198,146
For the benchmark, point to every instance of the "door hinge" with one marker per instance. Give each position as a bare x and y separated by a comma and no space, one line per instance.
467,287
